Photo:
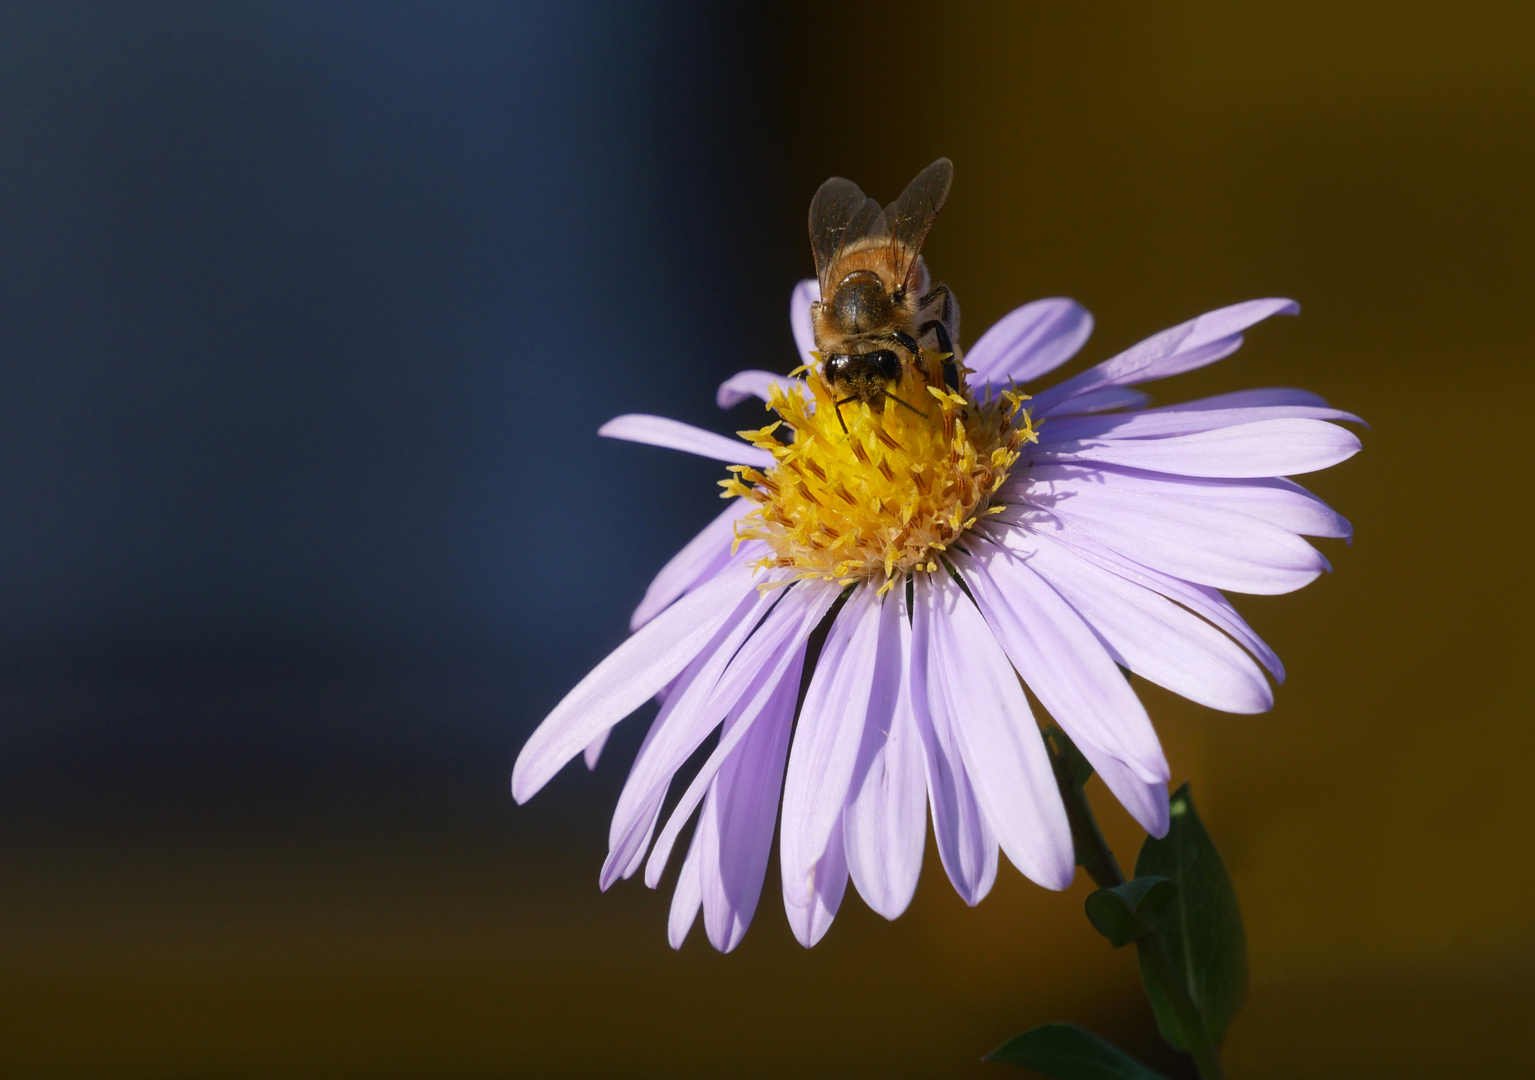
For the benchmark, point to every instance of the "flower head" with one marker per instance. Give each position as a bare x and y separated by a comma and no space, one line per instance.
953,545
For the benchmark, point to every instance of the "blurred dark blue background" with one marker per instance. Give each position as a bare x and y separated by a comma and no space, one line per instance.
309,313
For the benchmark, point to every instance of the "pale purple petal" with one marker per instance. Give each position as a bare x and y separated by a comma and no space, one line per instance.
1062,660
1244,399
1029,342
999,740
639,808
626,854
685,720
755,682
884,826
1200,341
764,690
1145,800
1284,503
629,676
829,883
1162,423
1203,600
758,384
737,820
791,621
966,845
594,749
1149,634
1264,448
826,742
675,435
805,293
1273,499
701,558
1197,542
1095,401
687,898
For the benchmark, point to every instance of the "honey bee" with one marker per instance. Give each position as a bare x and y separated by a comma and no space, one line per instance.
877,298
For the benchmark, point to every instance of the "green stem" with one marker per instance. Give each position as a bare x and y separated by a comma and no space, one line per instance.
1094,856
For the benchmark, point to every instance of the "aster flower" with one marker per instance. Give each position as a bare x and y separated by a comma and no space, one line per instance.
951,556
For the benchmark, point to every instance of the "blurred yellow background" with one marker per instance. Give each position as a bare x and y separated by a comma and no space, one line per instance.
1375,161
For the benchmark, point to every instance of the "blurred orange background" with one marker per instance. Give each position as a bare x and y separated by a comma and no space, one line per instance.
1376,161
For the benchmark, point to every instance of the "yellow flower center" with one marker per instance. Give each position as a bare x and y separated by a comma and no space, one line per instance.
888,494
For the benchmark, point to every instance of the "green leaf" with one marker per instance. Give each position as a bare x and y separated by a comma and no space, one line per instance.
1125,912
1067,1052
1202,926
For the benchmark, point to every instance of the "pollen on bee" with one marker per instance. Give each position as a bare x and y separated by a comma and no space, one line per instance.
889,494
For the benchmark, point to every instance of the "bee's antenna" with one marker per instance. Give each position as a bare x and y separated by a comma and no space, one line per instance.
887,394
839,405
898,401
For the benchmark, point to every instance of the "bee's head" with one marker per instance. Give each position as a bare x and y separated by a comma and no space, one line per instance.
860,303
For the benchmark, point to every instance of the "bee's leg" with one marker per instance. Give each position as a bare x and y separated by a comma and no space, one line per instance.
944,326
947,309
941,332
907,342
945,344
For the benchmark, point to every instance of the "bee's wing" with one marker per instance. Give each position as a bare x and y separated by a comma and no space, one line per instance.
840,215
912,215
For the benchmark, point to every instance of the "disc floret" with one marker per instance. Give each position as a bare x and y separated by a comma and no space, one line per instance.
909,475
